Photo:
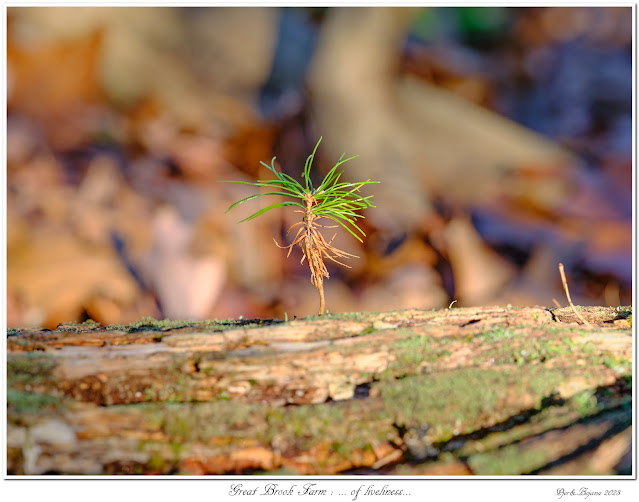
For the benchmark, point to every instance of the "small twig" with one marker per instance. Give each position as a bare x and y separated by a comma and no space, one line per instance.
556,303
565,283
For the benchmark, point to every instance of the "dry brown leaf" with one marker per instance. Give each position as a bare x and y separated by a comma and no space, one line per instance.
187,286
479,272
55,276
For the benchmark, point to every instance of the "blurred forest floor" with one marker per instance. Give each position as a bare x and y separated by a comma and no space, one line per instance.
502,138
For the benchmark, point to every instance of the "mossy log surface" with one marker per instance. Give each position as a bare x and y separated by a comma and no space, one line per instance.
485,391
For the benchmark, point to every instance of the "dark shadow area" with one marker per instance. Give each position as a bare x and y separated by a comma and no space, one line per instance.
617,426
613,407
520,418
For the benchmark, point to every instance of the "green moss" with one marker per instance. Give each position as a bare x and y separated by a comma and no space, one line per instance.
29,367
274,418
174,387
283,471
150,394
624,313
585,401
176,449
79,327
367,331
306,425
310,421
356,316
349,316
616,363
413,352
526,350
451,402
151,324
510,459
29,402
496,334
199,422
337,447
178,427
156,463
570,330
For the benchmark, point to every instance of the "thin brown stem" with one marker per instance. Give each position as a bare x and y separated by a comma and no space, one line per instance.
565,283
322,309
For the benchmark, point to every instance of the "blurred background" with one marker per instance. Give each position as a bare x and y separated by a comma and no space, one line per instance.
502,138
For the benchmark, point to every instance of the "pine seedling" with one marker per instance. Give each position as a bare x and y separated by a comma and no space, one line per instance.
333,200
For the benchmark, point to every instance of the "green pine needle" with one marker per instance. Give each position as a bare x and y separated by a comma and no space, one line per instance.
336,201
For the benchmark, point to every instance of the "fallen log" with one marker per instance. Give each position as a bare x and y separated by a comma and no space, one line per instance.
493,390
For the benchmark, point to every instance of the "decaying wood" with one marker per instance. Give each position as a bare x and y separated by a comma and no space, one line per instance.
459,391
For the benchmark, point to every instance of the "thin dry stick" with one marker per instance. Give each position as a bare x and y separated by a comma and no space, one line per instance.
565,283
